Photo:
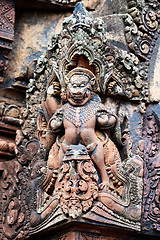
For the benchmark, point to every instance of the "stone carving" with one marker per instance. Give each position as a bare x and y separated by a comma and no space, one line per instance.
66,134
125,196
151,210
9,123
80,116
7,13
78,182
13,209
80,157
115,78
69,143
142,25
142,29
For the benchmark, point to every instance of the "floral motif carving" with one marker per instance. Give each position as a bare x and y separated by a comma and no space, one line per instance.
7,19
142,25
13,206
9,123
151,210
142,29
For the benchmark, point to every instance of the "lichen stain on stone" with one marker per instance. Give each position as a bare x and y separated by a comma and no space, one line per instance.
31,39
59,24
94,4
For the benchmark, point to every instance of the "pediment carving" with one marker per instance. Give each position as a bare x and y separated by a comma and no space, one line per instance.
83,39
75,155
70,143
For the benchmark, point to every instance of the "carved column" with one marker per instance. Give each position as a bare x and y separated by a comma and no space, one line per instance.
7,19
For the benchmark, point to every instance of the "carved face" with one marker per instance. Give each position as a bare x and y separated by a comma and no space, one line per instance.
79,90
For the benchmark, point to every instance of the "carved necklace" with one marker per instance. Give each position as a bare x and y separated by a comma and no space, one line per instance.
80,115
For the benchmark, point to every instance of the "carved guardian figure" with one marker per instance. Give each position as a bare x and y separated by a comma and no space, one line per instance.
71,140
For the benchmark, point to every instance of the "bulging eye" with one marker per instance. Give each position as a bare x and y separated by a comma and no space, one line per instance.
82,85
74,85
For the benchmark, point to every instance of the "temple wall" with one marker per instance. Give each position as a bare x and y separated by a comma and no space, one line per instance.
34,28
127,72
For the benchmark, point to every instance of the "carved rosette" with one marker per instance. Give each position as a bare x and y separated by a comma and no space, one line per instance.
78,182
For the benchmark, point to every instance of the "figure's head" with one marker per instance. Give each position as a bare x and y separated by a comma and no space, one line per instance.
79,86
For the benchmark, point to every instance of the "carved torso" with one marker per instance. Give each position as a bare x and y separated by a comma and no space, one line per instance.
79,123
79,115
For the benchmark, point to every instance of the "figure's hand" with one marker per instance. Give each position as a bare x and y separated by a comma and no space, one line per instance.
59,113
57,120
103,116
105,119
54,124
54,89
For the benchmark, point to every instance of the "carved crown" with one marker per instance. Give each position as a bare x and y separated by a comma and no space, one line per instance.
82,42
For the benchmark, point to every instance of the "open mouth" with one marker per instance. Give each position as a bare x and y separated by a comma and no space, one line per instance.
78,97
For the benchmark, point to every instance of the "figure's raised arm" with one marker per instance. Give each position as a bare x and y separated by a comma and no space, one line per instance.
54,125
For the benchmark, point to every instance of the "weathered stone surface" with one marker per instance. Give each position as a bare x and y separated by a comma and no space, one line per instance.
111,7
58,4
94,4
114,28
154,73
33,29
78,153
59,175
